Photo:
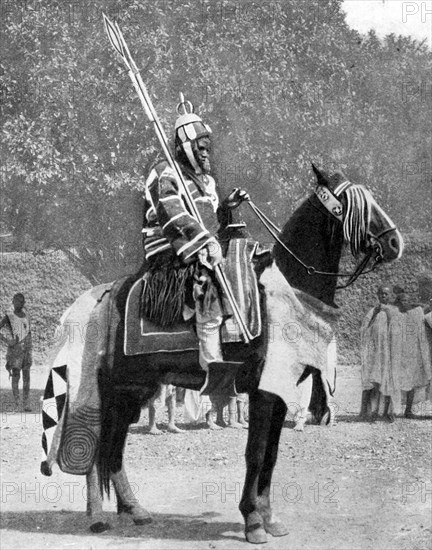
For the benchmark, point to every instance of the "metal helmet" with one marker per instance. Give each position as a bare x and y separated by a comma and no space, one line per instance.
188,128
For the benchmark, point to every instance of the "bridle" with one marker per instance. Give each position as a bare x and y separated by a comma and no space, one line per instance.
334,206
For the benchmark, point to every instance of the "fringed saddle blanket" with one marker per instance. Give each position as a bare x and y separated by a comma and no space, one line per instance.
143,336
299,335
154,309
71,402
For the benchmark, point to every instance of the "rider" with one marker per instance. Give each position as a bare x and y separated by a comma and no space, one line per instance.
177,247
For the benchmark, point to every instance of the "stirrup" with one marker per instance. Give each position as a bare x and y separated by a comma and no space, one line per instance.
220,378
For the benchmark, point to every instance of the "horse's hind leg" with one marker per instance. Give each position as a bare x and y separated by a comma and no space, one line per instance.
260,419
126,501
272,525
305,392
94,502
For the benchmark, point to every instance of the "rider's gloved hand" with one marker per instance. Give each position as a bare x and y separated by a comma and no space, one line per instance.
236,197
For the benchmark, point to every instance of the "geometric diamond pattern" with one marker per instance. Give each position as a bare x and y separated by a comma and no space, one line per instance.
53,404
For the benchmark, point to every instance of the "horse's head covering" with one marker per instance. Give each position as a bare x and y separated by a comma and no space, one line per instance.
188,128
356,213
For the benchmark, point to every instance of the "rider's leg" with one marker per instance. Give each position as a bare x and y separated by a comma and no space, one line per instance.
210,350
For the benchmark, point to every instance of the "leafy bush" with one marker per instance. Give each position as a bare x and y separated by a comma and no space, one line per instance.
281,83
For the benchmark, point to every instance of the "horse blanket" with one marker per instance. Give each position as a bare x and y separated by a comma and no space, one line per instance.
300,334
71,402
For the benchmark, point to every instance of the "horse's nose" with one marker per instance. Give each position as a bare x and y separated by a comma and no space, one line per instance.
395,245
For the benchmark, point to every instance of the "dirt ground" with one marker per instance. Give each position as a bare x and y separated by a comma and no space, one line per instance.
353,486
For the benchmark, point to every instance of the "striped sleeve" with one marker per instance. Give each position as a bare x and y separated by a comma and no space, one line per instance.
179,227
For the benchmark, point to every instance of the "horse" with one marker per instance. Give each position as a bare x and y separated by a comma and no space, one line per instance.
306,257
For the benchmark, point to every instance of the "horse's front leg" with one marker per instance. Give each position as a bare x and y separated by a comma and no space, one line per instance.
272,524
260,420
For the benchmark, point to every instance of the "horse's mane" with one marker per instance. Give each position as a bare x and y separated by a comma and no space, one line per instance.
357,216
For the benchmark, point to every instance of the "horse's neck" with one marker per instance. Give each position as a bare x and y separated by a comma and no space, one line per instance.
317,240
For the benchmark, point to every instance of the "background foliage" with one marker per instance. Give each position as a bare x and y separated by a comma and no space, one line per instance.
281,84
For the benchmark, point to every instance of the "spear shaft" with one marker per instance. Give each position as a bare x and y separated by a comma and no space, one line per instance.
119,44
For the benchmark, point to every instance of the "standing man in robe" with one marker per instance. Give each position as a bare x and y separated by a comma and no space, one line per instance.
378,376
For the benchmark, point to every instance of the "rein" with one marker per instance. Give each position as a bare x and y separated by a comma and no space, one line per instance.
360,269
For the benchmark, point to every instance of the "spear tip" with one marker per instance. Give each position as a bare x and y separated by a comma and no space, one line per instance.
113,35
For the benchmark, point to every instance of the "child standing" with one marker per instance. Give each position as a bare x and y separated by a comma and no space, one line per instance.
19,352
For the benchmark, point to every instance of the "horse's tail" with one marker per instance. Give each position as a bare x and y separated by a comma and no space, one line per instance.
108,409
120,404
120,407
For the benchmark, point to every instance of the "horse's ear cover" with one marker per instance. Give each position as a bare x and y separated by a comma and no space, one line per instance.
322,178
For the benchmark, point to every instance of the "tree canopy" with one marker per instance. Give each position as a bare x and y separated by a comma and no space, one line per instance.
280,83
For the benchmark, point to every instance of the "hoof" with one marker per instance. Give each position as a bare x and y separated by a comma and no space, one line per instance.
276,529
139,515
254,530
256,536
99,527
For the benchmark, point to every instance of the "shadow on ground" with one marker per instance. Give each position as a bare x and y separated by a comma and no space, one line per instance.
163,526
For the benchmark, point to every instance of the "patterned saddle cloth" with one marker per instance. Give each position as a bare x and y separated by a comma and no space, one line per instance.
145,337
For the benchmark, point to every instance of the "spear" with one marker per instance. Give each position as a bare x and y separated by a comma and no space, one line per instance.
119,44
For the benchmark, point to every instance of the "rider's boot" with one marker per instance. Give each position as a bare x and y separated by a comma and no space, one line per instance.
220,374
